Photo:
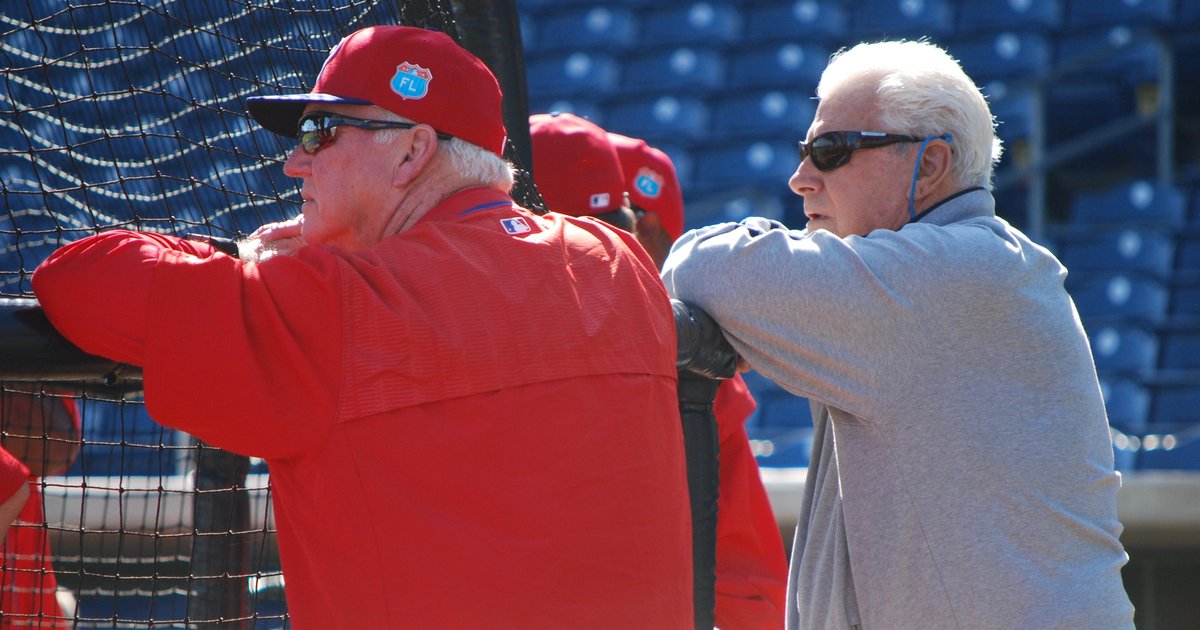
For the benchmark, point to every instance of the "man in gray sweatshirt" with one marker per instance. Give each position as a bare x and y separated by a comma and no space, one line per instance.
961,474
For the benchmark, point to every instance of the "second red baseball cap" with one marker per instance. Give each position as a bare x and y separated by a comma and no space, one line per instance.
575,167
651,181
416,73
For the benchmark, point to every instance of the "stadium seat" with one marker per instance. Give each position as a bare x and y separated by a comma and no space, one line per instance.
873,19
1083,14
580,106
121,440
993,15
1119,52
772,113
1187,256
599,27
781,447
1122,295
783,66
1138,203
1080,105
781,410
1187,14
1127,404
1180,349
692,23
1123,350
574,74
1004,55
1144,250
1185,297
1171,451
1175,405
680,118
825,21
678,70
732,206
1015,108
735,165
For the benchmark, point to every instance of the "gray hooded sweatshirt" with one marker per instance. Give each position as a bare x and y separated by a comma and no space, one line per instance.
961,474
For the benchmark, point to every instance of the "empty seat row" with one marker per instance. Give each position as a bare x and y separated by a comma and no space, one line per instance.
631,23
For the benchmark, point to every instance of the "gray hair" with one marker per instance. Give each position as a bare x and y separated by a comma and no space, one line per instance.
923,91
474,164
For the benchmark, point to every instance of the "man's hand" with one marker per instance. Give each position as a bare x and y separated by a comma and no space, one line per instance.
272,239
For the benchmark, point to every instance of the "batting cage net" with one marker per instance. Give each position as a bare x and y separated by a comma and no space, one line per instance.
131,113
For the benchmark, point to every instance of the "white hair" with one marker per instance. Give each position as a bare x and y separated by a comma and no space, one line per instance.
923,91
473,163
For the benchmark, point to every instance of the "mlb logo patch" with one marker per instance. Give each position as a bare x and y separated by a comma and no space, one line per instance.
599,200
515,225
648,183
411,81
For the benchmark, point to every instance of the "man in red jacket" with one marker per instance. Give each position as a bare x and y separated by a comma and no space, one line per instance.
583,171
42,433
468,410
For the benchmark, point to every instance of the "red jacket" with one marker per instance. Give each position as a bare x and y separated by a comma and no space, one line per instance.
472,424
751,562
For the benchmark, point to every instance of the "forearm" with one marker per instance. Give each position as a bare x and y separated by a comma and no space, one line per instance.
96,290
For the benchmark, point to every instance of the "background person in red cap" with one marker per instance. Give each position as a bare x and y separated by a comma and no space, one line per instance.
42,433
751,561
583,171
469,411
577,171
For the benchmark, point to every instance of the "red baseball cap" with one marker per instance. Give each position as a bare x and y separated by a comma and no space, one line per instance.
651,181
416,73
575,167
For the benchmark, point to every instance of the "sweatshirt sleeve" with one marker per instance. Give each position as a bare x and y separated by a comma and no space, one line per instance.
243,356
824,317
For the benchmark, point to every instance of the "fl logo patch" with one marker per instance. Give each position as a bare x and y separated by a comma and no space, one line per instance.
648,182
411,81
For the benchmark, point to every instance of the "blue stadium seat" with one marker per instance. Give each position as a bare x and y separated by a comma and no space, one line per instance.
1185,297
1122,295
873,19
1187,256
825,21
574,74
1171,451
1004,55
1134,249
1127,404
992,15
1180,349
781,448
1138,202
580,106
693,23
679,70
1015,108
773,113
779,410
1089,13
599,27
1176,404
734,165
1123,350
665,117
783,66
1120,53
1077,106
1187,14
121,439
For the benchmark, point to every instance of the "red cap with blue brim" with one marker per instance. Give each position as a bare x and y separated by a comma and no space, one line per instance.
416,73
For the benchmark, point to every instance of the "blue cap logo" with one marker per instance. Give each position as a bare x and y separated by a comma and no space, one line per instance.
648,183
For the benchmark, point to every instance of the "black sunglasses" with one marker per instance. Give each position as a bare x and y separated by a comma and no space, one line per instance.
315,129
834,148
